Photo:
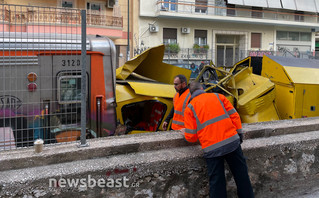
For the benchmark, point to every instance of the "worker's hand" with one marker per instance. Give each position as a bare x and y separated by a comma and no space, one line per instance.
241,136
164,126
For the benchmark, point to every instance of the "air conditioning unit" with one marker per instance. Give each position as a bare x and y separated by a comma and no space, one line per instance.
110,3
153,28
186,30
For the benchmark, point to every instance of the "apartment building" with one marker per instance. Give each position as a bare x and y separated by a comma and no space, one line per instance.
104,17
226,31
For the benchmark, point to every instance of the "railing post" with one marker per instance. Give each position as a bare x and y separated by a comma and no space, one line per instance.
83,142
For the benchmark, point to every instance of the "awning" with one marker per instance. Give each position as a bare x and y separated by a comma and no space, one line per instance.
317,5
256,3
300,5
310,6
289,4
237,2
274,4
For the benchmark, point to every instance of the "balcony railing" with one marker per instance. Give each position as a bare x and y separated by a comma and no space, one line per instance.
56,16
186,7
190,55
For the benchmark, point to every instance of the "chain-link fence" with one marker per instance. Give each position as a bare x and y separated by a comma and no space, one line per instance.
44,77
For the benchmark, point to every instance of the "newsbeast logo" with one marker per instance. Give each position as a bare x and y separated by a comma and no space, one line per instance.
90,182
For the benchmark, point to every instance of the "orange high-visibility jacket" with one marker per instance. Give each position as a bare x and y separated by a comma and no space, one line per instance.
180,104
211,119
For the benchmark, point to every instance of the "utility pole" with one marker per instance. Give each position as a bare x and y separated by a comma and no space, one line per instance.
128,31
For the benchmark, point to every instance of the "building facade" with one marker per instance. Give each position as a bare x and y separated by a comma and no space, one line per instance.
104,17
226,31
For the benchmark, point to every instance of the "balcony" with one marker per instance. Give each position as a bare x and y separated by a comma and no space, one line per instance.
55,16
207,11
16,18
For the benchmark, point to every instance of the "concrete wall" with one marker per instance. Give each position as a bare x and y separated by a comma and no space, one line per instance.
282,157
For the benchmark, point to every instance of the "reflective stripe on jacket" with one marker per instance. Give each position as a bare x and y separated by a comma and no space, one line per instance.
180,104
211,119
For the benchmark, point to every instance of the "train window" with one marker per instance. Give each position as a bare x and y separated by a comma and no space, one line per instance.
69,89
143,116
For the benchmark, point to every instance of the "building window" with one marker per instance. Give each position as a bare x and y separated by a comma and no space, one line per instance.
231,10
93,7
256,12
201,37
169,36
201,6
256,40
67,4
110,3
227,53
282,35
293,36
169,5
299,16
305,36
220,7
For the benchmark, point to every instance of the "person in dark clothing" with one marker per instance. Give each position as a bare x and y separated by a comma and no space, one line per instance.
194,70
201,66
180,102
212,119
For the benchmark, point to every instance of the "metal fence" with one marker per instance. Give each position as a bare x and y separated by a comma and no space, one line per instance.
41,76
227,57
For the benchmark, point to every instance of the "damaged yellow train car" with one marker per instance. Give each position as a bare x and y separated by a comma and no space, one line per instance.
145,91
297,85
252,95
286,89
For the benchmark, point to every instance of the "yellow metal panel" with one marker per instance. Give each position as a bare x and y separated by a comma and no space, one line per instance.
274,71
256,96
252,85
123,93
310,106
267,114
153,89
303,75
285,101
300,90
149,64
308,100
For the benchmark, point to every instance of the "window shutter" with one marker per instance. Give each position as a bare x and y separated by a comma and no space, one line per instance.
255,40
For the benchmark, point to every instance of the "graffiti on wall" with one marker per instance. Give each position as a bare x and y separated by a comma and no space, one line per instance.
10,102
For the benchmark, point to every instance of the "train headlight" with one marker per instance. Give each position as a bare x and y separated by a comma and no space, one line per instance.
32,87
32,76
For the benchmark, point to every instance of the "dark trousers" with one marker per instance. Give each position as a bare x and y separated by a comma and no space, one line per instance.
216,172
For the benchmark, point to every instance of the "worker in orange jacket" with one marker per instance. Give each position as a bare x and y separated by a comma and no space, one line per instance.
211,119
180,101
